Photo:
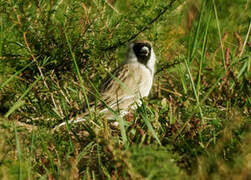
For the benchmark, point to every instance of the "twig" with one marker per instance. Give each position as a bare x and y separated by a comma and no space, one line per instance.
227,59
167,66
227,68
120,42
60,89
224,37
246,6
238,37
113,8
39,69
170,91
29,127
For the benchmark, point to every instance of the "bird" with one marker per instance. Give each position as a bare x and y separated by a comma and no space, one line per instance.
123,88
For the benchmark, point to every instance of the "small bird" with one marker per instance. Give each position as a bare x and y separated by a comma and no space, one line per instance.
123,89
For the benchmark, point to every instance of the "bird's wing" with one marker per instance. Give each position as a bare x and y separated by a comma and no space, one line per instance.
123,84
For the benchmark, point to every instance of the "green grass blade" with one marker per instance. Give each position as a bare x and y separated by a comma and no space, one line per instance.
19,153
203,54
219,32
20,101
15,75
194,90
123,130
222,74
196,36
148,123
115,114
246,39
1,35
78,73
31,155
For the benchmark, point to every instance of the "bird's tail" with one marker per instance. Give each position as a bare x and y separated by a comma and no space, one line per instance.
72,121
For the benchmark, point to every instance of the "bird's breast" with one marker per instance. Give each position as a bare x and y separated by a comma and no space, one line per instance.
147,81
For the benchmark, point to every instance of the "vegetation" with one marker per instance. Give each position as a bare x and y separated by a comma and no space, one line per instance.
194,125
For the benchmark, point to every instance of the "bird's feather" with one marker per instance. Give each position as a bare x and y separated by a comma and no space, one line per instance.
123,87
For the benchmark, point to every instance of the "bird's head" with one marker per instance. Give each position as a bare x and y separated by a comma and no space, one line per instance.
142,52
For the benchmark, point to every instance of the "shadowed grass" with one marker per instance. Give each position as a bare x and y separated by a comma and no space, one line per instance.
20,101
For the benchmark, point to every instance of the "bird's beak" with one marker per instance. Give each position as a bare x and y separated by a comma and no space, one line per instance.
144,51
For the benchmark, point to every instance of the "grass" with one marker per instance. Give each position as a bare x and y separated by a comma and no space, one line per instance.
194,125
